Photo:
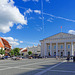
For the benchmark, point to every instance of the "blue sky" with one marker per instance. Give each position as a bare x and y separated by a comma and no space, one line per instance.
28,29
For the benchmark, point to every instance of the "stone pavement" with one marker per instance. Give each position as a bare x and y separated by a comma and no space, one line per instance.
49,66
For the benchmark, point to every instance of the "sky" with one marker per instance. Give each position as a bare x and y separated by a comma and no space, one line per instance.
25,22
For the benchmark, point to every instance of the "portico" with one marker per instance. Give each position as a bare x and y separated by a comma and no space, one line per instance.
61,44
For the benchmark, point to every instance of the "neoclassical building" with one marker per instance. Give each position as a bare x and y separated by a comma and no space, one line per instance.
61,44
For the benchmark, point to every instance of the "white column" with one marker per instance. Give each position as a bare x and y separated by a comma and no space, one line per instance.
56,49
42,49
72,49
65,49
51,49
45,49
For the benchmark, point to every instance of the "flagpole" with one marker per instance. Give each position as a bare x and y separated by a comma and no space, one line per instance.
61,29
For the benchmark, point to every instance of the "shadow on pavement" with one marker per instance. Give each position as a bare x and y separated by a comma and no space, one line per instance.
32,72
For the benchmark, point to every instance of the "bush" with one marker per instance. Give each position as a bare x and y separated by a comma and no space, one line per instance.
29,52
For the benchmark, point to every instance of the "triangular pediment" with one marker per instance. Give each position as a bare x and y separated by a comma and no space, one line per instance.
61,35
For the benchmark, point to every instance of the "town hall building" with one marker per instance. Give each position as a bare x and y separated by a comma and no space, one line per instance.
61,44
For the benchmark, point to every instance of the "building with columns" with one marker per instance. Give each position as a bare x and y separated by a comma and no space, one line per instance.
61,44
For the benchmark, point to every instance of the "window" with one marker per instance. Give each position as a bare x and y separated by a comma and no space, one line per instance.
48,46
61,46
68,46
54,46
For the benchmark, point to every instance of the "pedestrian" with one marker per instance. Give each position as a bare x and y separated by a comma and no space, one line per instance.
68,58
74,59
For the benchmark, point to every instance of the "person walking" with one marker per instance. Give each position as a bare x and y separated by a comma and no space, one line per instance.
73,58
68,58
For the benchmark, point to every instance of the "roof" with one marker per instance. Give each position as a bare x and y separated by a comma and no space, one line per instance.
58,34
24,50
21,48
1,45
6,43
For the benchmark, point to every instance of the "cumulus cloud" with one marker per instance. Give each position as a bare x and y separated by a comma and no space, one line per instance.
71,32
9,15
37,11
19,27
13,42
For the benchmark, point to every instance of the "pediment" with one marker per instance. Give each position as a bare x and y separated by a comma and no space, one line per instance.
61,35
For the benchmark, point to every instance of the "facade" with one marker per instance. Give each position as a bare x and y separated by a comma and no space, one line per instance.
61,44
35,49
24,51
5,45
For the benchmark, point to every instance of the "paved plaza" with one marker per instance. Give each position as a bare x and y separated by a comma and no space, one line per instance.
48,66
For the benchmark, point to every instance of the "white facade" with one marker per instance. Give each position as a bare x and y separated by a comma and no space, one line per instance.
61,44
34,49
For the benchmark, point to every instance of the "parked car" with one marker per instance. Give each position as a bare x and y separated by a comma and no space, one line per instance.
16,58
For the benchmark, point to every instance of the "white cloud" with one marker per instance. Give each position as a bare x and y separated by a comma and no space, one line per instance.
13,42
26,0
49,20
31,18
71,32
37,11
59,17
30,42
36,0
21,41
31,0
28,11
9,14
48,1
40,17
19,27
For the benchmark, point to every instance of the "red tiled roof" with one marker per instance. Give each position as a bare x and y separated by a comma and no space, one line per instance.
25,50
6,43
21,48
1,45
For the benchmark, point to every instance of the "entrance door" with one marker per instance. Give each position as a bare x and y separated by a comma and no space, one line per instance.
61,53
54,53
68,53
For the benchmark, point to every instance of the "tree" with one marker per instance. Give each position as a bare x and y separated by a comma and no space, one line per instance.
2,51
12,52
16,51
30,52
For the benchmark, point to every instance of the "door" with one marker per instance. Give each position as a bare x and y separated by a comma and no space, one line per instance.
54,53
61,53
68,53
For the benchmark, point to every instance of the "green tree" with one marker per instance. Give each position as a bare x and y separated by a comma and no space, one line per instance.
16,51
30,52
2,51
12,52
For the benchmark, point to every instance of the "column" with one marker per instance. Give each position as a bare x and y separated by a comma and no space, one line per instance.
72,49
42,50
51,49
65,49
45,49
56,49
